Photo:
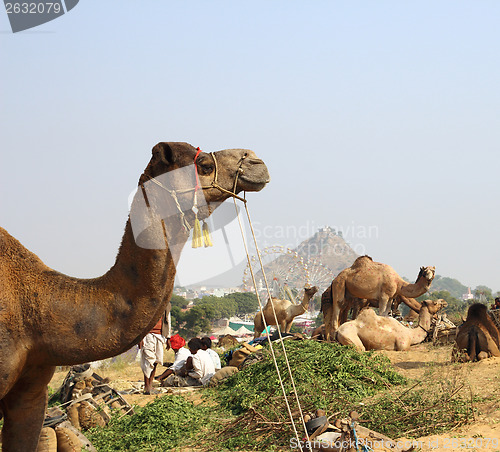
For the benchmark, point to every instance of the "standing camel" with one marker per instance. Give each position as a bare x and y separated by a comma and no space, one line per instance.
374,332
285,310
371,281
49,319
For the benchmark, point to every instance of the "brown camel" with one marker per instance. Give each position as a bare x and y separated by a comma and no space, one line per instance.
478,337
372,281
49,319
285,310
374,332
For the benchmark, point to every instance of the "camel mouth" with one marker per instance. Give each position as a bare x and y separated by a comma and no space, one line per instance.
254,175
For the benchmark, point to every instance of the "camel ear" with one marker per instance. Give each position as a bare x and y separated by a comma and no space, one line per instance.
164,153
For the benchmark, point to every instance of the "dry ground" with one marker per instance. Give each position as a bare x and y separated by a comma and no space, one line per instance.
422,361
483,378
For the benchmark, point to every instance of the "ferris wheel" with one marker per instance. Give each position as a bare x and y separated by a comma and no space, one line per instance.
319,274
286,273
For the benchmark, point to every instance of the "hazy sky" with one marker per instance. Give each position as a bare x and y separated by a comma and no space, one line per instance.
378,118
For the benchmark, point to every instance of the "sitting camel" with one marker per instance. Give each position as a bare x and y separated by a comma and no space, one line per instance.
358,304
478,337
48,319
285,310
369,280
374,332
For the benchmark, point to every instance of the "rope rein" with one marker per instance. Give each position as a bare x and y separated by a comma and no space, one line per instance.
275,362
277,325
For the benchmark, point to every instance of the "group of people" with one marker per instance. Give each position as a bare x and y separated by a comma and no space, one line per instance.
193,366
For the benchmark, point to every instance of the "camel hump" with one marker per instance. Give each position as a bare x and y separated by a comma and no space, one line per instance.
12,252
361,260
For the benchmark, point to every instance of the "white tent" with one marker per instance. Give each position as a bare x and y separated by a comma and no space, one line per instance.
241,331
223,331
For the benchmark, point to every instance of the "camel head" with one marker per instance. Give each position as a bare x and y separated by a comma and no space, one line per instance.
232,169
434,306
428,273
310,291
180,177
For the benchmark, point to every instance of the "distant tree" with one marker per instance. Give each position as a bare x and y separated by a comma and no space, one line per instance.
177,317
246,302
195,322
177,300
217,307
453,286
483,293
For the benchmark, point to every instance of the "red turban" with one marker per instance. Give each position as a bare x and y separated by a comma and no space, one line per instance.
177,342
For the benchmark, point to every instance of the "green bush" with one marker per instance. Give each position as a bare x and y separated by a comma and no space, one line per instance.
161,425
322,374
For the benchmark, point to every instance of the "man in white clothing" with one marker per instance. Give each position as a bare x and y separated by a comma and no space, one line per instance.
199,366
207,346
151,349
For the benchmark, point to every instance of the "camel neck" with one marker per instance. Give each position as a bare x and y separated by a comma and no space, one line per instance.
140,270
414,290
424,324
112,313
424,319
304,305
150,249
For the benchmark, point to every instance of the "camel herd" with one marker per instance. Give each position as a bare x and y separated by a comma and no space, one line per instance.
366,283
372,284
48,319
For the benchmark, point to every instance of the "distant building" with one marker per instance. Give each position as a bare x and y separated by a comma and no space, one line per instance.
467,296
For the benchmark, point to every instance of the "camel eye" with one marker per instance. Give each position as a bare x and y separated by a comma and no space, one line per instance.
205,168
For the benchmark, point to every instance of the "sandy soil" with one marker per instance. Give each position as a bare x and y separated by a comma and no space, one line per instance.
483,378
422,361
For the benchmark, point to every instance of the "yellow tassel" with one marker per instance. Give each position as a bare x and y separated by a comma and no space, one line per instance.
206,235
197,238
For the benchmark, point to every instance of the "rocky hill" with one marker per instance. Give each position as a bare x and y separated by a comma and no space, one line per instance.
317,260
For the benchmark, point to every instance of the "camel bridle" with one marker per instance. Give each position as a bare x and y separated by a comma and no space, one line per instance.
214,184
427,331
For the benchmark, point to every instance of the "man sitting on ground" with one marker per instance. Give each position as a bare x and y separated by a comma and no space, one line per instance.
207,346
181,355
199,366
